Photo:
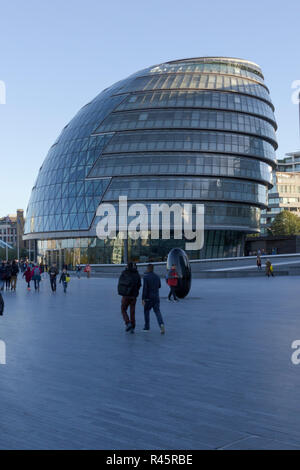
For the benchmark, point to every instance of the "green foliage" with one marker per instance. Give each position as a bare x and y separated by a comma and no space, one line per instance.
12,254
253,235
285,223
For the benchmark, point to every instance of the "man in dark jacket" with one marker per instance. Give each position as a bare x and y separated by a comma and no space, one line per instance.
53,272
7,275
14,275
151,286
129,287
1,304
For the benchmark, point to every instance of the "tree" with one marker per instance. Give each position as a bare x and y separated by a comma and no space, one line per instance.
12,254
285,223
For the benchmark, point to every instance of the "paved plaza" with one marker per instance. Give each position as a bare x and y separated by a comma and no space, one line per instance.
221,377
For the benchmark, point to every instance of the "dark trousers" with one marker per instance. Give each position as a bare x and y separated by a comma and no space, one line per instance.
37,284
53,283
172,292
128,302
149,304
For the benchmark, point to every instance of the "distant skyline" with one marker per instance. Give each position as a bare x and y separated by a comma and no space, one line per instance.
57,56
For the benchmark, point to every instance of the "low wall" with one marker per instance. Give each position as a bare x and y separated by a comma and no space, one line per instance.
217,267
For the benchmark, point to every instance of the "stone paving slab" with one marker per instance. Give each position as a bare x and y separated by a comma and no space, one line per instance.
221,377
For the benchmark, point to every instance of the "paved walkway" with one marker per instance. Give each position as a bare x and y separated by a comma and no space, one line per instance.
221,377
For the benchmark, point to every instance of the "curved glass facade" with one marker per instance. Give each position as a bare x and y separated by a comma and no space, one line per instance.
181,163
190,99
188,119
199,130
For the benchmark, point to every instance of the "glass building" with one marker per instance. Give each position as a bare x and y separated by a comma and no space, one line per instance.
198,130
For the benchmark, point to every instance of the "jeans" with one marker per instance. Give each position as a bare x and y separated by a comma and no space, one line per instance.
53,283
128,302
172,292
37,284
2,282
149,304
65,285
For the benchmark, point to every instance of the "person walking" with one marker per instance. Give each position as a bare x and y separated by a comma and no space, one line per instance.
78,270
269,268
28,275
258,262
45,271
65,279
36,277
150,298
87,270
128,287
172,281
7,275
2,275
53,272
14,275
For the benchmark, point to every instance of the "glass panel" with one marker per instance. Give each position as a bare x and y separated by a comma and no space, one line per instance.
141,141
181,164
198,119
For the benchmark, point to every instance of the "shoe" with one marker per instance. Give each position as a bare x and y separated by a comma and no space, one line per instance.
169,300
132,330
146,329
128,327
176,300
162,329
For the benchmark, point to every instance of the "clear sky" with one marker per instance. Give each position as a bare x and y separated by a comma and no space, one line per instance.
56,55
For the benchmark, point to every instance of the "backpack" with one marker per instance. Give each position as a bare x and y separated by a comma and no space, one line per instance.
125,284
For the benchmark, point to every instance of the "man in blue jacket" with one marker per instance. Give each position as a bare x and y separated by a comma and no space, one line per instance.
150,298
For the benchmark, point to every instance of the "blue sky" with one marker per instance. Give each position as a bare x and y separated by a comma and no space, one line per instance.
57,55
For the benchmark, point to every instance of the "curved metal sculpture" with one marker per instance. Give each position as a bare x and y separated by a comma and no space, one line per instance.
179,258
